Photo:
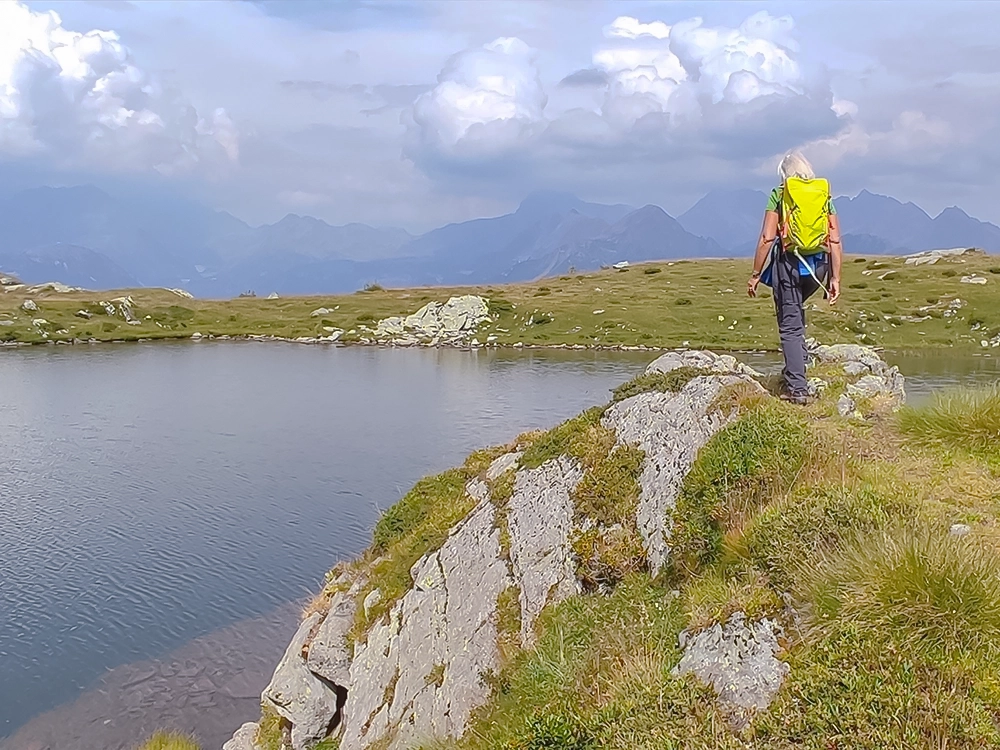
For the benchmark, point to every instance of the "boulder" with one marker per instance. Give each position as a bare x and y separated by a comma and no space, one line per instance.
540,522
83,314
309,703
319,311
701,360
419,673
739,660
929,257
244,739
29,305
454,321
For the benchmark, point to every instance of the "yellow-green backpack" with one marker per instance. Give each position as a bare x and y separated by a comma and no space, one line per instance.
805,215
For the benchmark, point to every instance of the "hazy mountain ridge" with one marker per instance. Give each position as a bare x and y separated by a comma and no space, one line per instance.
86,237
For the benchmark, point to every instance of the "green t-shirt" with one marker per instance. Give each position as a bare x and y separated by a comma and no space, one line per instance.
775,201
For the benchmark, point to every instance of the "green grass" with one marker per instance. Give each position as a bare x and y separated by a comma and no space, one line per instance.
680,305
582,438
169,741
740,466
665,382
921,589
966,419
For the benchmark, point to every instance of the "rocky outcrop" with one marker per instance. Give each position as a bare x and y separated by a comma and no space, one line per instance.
671,428
738,659
418,670
451,322
874,378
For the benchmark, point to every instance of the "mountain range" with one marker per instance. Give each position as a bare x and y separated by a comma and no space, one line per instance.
83,236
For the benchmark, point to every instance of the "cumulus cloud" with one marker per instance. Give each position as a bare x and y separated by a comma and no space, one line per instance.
79,99
486,99
680,70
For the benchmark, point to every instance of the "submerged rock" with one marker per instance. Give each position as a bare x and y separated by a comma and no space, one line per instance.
739,660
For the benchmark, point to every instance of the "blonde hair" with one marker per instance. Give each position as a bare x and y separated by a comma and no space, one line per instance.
794,164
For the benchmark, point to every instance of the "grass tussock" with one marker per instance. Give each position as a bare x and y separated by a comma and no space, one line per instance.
416,525
665,382
582,438
169,741
762,450
927,591
967,419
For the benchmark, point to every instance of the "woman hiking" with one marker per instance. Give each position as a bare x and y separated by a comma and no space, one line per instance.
799,252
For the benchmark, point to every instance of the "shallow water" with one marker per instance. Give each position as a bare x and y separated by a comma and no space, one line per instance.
150,494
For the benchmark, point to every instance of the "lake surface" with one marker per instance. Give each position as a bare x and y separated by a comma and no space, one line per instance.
151,494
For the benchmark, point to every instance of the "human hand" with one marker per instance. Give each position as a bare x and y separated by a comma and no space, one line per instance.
752,285
834,290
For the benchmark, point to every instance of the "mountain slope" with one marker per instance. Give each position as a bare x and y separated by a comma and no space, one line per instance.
70,264
730,217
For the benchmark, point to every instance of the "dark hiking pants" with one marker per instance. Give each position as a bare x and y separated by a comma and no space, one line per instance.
791,290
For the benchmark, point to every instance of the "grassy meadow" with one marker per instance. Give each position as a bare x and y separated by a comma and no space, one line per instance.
696,303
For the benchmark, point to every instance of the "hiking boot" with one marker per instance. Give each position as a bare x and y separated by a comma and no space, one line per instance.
799,399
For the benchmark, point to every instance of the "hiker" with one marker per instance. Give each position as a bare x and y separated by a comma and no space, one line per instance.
799,252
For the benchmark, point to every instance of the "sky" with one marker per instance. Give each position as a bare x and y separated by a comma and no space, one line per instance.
419,113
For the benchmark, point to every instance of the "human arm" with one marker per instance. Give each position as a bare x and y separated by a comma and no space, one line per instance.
836,258
768,233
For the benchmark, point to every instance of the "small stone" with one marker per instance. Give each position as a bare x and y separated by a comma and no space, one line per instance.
195,336
319,311
846,406
371,600
960,529
272,295
39,322
83,314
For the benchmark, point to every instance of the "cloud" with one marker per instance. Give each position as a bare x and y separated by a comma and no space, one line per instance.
683,69
486,100
79,99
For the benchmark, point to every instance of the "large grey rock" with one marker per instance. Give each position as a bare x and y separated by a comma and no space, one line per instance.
503,464
540,522
419,674
739,660
453,321
329,652
702,360
244,739
879,379
29,305
308,702
671,428
930,257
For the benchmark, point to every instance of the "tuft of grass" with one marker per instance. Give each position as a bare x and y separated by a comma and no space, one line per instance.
609,490
509,623
796,529
967,419
374,287
271,730
765,445
169,741
719,591
665,382
574,437
410,512
917,586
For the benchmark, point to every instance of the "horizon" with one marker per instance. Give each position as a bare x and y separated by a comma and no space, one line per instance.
527,196
418,115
